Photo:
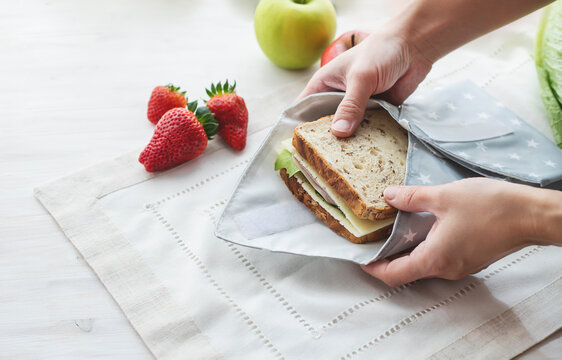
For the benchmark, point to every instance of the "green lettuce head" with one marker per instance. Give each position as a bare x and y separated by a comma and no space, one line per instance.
548,58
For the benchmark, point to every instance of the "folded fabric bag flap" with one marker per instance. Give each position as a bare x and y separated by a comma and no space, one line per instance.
470,127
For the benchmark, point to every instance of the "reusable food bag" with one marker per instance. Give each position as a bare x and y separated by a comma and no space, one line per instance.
455,132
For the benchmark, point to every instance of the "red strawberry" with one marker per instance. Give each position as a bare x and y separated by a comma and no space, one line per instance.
180,135
230,112
162,99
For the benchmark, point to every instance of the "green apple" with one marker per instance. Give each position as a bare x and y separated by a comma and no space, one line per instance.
294,33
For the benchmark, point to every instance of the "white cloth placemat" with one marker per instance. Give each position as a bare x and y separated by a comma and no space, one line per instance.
187,292
190,295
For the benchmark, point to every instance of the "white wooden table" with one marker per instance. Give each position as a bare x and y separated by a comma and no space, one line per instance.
75,77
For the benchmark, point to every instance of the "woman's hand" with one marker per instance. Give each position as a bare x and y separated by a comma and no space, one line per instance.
478,222
393,60
384,63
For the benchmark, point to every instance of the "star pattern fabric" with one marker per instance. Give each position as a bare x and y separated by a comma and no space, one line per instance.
424,168
523,155
410,235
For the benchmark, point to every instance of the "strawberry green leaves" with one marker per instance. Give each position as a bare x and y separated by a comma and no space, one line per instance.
174,88
207,119
220,89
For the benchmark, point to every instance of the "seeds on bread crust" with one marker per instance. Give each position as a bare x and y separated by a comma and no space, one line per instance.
360,167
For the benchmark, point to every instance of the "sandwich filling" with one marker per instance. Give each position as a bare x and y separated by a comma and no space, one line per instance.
323,193
300,163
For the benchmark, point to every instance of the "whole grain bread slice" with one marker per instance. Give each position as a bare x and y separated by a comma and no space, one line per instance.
302,195
359,167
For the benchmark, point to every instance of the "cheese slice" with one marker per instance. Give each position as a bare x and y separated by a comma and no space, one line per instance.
288,144
355,225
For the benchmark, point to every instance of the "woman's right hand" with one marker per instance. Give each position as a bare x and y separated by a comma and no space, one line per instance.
478,221
384,63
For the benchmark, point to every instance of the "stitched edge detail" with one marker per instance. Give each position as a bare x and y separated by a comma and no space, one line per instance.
458,295
203,269
364,303
468,64
211,212
495,76
276,294
196,185
472,61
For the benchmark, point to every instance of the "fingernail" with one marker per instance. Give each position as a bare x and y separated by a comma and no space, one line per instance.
390,192
341,126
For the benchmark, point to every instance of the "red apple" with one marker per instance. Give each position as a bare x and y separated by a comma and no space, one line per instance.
345,42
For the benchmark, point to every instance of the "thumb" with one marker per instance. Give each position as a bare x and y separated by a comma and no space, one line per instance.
411,198
351,109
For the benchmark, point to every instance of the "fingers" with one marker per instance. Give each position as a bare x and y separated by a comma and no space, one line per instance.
321,79
315,85
352,108
412,198
399,271
407,84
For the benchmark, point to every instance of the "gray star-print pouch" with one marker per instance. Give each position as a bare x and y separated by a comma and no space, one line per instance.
466,133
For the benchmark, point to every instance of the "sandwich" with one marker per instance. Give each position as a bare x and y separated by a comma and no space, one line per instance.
342,180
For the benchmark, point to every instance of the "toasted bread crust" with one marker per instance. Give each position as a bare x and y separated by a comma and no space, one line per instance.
337,182
298,191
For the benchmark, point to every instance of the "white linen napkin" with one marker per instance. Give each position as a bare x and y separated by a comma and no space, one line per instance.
187,292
